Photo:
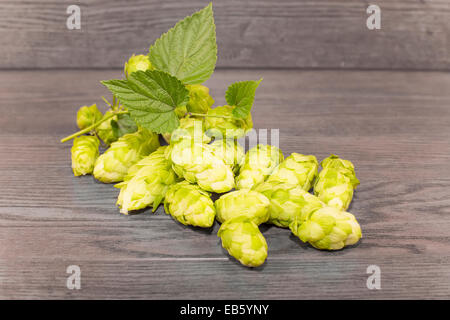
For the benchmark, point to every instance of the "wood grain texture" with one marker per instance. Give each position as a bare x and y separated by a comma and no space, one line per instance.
255,33
394,126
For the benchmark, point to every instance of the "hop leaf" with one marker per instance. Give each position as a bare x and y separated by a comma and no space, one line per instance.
241,95
188,51
152,98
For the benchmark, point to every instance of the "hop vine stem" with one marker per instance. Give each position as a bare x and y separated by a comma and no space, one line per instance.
91,127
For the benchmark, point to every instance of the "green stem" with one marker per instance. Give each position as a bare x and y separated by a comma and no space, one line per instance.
91,127
209,115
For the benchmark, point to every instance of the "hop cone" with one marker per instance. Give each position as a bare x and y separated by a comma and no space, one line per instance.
336,182
288,202
190,205
229,150
243,240
137,63
258,164
247,203
146,183
105,130
224,128
199,99
297,169
112,166
87,116
190,129
84,154
196,163
328,228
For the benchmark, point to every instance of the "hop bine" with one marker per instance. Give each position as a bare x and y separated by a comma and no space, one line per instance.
327,228
113,165
228,127
84,154
336,182
243,240
297,169
287,202
87,116
190,205
229,150
199,99
137,63
258,164
146,183
197,163
248,203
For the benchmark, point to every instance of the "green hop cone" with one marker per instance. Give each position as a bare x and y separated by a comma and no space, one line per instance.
190,205
336,182
199,99
229,150
225,128
105,130
248,203
196,163
87,116
243,240
146,183
189,128
112,166
297,169
287,202
84,154
258,164
328,228
137,63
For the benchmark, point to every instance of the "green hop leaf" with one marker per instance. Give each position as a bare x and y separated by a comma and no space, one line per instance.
243,240
113,165
241,95
188,51
248,203
328,228
146,183
190,205
151,97
87,116
137,63
84,153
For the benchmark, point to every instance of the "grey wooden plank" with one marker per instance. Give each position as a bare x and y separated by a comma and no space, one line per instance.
393,125
255,33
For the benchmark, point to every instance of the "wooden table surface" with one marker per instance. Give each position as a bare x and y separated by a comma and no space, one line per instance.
394,126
